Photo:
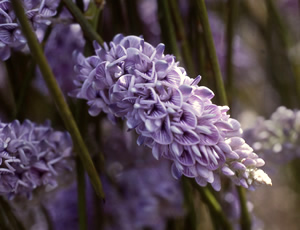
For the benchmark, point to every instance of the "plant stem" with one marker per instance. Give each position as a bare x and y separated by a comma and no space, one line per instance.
24,87
87,28
191,217
58,97
231,16
185,48
167,28
223,98
211,51
245,220
214,206
287,42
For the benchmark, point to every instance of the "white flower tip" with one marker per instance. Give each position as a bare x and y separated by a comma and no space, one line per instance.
260,177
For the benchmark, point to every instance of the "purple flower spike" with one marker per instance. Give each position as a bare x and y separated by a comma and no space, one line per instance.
173,116
32,156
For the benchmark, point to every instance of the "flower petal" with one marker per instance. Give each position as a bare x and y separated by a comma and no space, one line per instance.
187,138
163,135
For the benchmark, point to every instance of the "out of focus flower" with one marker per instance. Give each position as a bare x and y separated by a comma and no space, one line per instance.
31,156
278,138
140,192
231,205
63,41
143,197
37,12
173,116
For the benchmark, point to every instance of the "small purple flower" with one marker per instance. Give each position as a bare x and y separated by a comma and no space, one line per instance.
31,156
37,12
172,114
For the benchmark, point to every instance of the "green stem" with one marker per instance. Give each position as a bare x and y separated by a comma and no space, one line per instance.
211,51
214,206
87,28
245,220
167,28
231,16
181,34
191,217
220,87
287,42
24,87
58,97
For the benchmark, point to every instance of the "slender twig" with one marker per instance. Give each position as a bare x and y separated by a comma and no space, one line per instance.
231,16
167,28
58,97
211,51
87,28
181,34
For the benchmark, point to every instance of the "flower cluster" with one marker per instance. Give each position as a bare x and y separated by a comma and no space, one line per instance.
276,139
172,115
10,35
31,155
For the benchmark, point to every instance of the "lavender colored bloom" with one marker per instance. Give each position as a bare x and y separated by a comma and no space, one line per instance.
63,41
276,139
37,12
173,116
31,156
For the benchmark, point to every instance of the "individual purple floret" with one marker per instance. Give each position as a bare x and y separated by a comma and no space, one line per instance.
31,155
278,138
172,115
37,11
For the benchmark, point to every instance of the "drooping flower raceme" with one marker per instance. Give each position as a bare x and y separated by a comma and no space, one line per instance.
37,12
172,115
31,155
277,139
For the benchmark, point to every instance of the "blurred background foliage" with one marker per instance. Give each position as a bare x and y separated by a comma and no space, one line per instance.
258,48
